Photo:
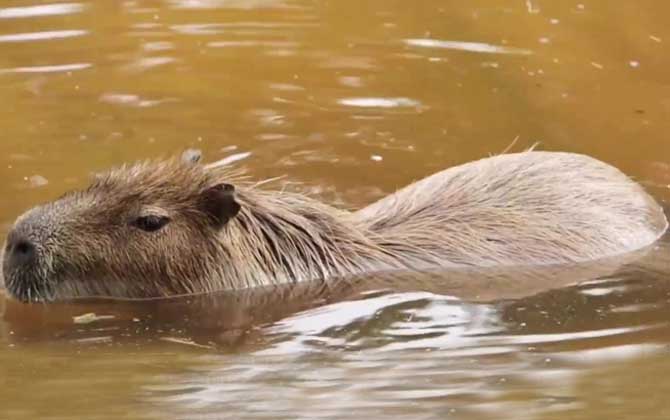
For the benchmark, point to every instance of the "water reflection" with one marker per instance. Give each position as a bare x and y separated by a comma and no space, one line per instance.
38,36
227,4
442,355
380,102
41,10
462,343
478,47
47,69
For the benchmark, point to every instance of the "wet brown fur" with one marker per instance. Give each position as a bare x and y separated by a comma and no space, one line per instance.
530,208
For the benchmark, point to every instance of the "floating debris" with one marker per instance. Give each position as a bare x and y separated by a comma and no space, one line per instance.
90,317
37,181
228,160
185,342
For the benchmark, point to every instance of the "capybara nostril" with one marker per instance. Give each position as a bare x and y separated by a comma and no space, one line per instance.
21,252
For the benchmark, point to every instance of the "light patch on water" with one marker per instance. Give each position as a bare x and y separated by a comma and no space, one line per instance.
132,100
634,308
239,28
562,337
197,29
343,313
603,291
158,46
47,69
432,321
615,354
42,10
38,36
380,102
597,291
225,4
478,47
251,43
147,63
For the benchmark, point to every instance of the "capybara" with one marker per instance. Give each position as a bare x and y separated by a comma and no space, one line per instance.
174,227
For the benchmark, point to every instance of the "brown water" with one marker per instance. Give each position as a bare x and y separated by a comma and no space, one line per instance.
353,98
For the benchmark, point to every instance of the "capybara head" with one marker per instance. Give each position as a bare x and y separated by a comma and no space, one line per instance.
138,231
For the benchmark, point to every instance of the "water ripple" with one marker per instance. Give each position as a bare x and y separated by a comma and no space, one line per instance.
239,28
252,43
478,47
38,36
42,10
47,69
372,102
227,4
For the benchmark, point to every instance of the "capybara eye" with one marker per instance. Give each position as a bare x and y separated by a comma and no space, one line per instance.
151,223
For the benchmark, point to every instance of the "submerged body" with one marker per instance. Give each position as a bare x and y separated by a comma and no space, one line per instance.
167,228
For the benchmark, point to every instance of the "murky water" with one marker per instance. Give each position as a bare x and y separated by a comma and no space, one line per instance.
354,99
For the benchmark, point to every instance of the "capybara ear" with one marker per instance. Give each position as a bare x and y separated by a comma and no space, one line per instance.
219,202
191,156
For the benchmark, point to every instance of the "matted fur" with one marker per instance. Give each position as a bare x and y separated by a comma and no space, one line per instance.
530,208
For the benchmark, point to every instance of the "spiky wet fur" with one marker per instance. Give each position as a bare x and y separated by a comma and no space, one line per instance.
527,208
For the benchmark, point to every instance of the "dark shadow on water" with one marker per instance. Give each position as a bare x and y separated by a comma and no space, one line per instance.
538,299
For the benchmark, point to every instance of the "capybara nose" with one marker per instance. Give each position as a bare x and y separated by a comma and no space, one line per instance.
20,251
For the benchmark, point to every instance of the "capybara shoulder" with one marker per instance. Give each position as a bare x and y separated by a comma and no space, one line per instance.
174,227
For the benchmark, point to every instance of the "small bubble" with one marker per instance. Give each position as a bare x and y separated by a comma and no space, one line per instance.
376,158
554,21
634,64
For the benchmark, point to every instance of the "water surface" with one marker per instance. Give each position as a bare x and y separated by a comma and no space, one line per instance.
353,99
